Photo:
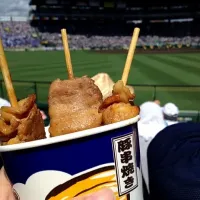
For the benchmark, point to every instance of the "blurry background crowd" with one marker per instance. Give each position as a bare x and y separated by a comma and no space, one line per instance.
16,34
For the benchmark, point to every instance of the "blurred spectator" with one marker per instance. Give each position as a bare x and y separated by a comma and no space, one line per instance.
157,102
18,34
4,102
151,122
170,112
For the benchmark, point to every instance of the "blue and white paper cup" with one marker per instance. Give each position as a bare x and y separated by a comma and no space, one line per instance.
76,164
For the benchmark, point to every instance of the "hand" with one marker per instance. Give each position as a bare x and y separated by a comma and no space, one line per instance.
157,102
6,192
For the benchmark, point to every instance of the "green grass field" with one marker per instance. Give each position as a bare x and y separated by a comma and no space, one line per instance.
151,69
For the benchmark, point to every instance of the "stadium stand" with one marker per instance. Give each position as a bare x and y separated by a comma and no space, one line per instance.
104,25
18,34
22,34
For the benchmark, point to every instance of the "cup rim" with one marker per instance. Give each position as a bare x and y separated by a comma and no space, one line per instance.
68,137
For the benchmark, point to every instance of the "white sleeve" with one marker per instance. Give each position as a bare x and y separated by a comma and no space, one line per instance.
4,102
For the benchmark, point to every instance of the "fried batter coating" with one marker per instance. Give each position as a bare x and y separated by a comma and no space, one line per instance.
123,91
73,106
117,107
21,124
119,112
109,101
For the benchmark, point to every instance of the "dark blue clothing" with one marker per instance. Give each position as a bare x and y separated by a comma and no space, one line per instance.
174,163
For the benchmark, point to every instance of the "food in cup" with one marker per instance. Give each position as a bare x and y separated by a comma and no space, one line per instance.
117,107
21,124
74,105
77,104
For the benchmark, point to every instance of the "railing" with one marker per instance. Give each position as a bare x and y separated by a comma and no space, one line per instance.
189,116
156,87
187,97
34,86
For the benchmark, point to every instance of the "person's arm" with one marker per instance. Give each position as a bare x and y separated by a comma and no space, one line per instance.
4,102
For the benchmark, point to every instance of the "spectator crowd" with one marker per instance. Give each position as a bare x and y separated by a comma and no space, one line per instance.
18,34
22,35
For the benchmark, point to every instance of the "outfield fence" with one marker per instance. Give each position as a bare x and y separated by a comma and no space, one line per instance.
147,92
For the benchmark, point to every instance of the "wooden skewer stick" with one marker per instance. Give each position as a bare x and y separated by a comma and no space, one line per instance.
7,77
130,55
67,54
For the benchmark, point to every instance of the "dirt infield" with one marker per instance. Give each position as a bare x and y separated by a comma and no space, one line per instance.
151,51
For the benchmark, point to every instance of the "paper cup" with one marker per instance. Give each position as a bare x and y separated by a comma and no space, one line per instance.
76,164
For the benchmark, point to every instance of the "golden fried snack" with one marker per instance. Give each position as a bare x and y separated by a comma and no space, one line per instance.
85,184
21,124
118,112
117,107
120,89
109,101
73,106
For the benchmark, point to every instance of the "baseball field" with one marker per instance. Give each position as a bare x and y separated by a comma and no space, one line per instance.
167,77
